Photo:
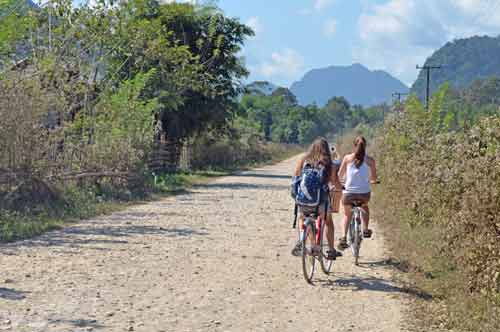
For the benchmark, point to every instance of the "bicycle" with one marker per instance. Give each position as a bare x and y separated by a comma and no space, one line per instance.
315,247
355,232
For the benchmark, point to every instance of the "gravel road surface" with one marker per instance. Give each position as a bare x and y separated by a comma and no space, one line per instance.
216,258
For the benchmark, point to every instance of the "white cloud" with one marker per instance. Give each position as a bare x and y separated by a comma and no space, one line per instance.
330,28
399,34
256,25
317,6
283,66
305,11
322,4
484,12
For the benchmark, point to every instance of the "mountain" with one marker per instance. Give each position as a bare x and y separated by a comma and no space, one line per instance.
463,61
21,7
261,87
356,83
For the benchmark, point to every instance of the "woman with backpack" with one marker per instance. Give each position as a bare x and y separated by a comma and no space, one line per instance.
359,171
318,157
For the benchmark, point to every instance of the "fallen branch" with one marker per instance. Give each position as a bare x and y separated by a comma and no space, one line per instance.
78,176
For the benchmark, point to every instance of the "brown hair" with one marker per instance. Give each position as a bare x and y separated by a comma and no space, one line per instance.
359,151
319,154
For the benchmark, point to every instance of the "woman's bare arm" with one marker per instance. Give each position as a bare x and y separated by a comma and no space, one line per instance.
373,169
298,168
334,178
343,168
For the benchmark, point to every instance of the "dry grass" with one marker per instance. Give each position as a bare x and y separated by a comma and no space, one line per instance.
440,201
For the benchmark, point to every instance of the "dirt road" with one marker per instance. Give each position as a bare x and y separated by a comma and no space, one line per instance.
216,258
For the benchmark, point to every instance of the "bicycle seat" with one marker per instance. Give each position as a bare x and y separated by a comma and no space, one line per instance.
357,204
313,215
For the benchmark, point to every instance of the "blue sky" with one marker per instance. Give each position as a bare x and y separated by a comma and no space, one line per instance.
294,36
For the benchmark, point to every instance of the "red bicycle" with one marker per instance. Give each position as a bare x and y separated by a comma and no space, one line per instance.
314,246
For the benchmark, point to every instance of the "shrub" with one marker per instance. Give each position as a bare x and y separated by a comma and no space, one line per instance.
447,188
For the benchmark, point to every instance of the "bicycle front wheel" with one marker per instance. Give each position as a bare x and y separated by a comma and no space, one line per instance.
308,251
355,239
326,264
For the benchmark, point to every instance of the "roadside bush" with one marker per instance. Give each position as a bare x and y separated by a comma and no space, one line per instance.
27,141
231,152
445,187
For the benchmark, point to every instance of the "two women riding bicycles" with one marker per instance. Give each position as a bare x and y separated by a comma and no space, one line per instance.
359,172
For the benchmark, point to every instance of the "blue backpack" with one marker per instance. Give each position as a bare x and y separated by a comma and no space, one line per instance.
308,188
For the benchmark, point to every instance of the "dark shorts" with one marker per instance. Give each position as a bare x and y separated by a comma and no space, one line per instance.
349,199
308,210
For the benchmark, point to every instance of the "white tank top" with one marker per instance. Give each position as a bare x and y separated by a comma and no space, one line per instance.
357,179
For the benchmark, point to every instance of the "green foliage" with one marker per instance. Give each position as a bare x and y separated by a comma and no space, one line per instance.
194,54
120,127
281,119
463,61
229,152
100,92
15,18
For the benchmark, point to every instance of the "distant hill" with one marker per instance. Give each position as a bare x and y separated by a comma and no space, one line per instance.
263,87
356,83
463,61
16,7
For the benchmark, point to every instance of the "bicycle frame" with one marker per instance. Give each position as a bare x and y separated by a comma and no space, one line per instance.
310,235
355,233
316,225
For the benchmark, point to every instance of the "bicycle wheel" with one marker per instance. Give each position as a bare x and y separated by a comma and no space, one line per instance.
308,250
354,235
326,264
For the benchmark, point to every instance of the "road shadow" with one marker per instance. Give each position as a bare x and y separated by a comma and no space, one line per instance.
91,236
89,324
356,283
243,186
264,175
12,294
388,263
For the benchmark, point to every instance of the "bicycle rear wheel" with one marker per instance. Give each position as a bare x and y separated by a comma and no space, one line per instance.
326,264
308,250
354,237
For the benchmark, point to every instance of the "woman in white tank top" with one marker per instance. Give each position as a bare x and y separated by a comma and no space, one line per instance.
359,171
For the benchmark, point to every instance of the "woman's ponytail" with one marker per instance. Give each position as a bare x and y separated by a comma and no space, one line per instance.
359,151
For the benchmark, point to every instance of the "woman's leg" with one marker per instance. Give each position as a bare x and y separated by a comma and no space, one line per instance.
345,224
346,219
366,215
330,230
298,245
301,221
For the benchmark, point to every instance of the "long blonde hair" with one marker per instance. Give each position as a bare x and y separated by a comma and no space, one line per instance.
319,154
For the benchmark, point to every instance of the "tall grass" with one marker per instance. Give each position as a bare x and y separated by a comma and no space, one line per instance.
440,204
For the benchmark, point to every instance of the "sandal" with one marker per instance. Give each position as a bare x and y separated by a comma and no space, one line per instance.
367,233
297,250
342,244
333,254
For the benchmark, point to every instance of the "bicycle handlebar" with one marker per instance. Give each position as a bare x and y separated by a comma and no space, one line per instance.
371,182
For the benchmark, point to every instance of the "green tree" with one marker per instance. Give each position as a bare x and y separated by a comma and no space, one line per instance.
195,55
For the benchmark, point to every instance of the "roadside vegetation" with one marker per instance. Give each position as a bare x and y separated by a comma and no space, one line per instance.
439,204
119,101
